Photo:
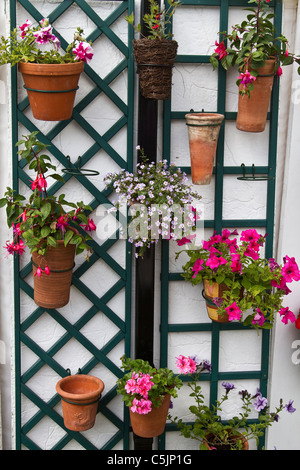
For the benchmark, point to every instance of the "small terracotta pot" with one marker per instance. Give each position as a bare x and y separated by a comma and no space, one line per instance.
51,88
203,132
210,446
153,423
80,395
253,110
53,290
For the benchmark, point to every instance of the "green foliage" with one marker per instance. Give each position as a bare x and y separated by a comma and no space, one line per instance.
37,221
252,42
21,47
164,379
207,425
157,21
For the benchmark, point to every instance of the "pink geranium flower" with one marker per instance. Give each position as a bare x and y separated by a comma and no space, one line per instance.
186,365
142,407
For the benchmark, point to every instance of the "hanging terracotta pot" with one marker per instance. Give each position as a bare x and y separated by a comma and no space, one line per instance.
80,395
51,88
53,290
211,445
153,423
203,133
155,60
253,110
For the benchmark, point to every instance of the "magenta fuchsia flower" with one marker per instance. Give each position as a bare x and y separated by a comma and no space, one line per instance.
84,52
220,49
15,247
62,222
39,183
246,78
90,226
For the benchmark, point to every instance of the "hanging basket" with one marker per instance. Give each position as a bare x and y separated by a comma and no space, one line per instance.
153,423
51,88
155,60
80,395
203,133
214,290
53,290
253,110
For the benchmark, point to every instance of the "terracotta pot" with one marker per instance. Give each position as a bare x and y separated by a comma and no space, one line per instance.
155,60
211,446
153,423
253,110
203,132
53,290
80,395
51,88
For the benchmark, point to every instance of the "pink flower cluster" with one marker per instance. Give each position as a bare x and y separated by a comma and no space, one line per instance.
140,384
43,35
84,52
246,78
186,365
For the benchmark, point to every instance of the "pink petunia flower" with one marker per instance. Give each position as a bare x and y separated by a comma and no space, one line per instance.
234,312
287,315
83,51
258,318
24,28
290,270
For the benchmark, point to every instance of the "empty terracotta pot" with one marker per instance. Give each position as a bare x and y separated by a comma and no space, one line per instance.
153,423
80,395
203,133
253,110
51,88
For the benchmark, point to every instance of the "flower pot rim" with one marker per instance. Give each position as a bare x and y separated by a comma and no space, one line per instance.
34,68
79,396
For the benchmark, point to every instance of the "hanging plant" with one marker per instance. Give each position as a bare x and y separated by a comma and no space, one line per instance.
156,51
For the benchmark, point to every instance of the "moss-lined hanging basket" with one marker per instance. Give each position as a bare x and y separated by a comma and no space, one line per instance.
155,60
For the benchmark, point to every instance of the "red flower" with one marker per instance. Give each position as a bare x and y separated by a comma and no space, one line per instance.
220,49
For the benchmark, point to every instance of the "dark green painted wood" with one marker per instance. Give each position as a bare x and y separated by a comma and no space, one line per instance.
100,86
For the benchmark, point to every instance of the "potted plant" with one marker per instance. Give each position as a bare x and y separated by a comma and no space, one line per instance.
239,284
155,53
51,233
159,198
259,53
80,395
147,392
50,75
209,429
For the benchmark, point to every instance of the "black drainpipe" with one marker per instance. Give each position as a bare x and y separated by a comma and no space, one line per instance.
144,300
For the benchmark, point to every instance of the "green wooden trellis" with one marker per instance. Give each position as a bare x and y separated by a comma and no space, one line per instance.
218,223
100,85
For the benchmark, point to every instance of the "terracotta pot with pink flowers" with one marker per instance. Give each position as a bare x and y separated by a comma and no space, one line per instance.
52,234
237,283
50,75
255,48
147,392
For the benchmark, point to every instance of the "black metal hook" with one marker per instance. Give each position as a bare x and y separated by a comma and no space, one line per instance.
78,170
253,177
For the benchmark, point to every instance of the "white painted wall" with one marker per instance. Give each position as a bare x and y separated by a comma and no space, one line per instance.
193,87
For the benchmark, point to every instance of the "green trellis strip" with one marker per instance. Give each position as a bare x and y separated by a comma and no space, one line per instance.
218,223
101,85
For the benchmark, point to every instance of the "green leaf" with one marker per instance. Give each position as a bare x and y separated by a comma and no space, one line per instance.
51,241
68,235
45,210
45,231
